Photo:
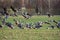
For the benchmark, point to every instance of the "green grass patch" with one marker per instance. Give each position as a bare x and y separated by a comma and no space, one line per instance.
30,34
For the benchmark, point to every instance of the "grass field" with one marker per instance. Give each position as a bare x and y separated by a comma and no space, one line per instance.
30,34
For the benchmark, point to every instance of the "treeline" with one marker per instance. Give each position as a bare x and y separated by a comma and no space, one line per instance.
43,5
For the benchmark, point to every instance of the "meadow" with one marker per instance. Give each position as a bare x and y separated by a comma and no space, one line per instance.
30,34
